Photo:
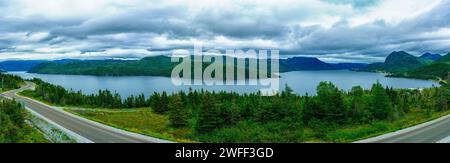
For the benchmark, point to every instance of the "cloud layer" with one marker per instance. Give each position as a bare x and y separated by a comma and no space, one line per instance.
337,31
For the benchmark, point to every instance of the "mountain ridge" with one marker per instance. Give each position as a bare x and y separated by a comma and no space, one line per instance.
438,70
162,66
433,57
19,65
396,62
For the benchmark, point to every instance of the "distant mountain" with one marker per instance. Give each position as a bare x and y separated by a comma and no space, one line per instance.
438,70
150,66
162,66
68,60
307,63
17,65
349,66
397,62
304,63
433,57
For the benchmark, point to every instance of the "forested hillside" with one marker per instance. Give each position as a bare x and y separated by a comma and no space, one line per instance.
8,82
16,65
433,57
153,66
438,70
162,66
398,62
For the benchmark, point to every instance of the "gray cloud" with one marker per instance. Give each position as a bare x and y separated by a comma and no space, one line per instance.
356,3
320,28
379,38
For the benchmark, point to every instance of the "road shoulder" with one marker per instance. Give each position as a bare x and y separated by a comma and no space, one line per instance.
403,131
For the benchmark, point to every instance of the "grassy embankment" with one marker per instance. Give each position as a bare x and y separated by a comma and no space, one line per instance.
16,125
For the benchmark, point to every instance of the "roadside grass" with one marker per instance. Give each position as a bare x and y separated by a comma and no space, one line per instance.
26,133
142,121
5,90
248,131
11,131
32,136
29,134
353,133
33,95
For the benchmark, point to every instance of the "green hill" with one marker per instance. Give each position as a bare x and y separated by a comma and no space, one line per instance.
429,56
437,70
398,62
162,66
150,66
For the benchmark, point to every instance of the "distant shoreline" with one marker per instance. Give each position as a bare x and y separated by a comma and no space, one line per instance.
385,74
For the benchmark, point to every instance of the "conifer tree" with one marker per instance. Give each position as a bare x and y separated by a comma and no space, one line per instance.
208,118
178,115
380,105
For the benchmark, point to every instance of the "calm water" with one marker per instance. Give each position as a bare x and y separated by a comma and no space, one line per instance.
301,81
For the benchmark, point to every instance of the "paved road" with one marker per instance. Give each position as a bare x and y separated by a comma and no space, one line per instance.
87,129
431,132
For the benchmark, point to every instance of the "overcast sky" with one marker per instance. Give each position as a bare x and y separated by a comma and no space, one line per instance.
333,30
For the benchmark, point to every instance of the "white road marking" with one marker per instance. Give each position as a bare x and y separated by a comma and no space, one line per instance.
445,140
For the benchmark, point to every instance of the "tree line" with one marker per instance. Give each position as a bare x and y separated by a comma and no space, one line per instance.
103,99
8,81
